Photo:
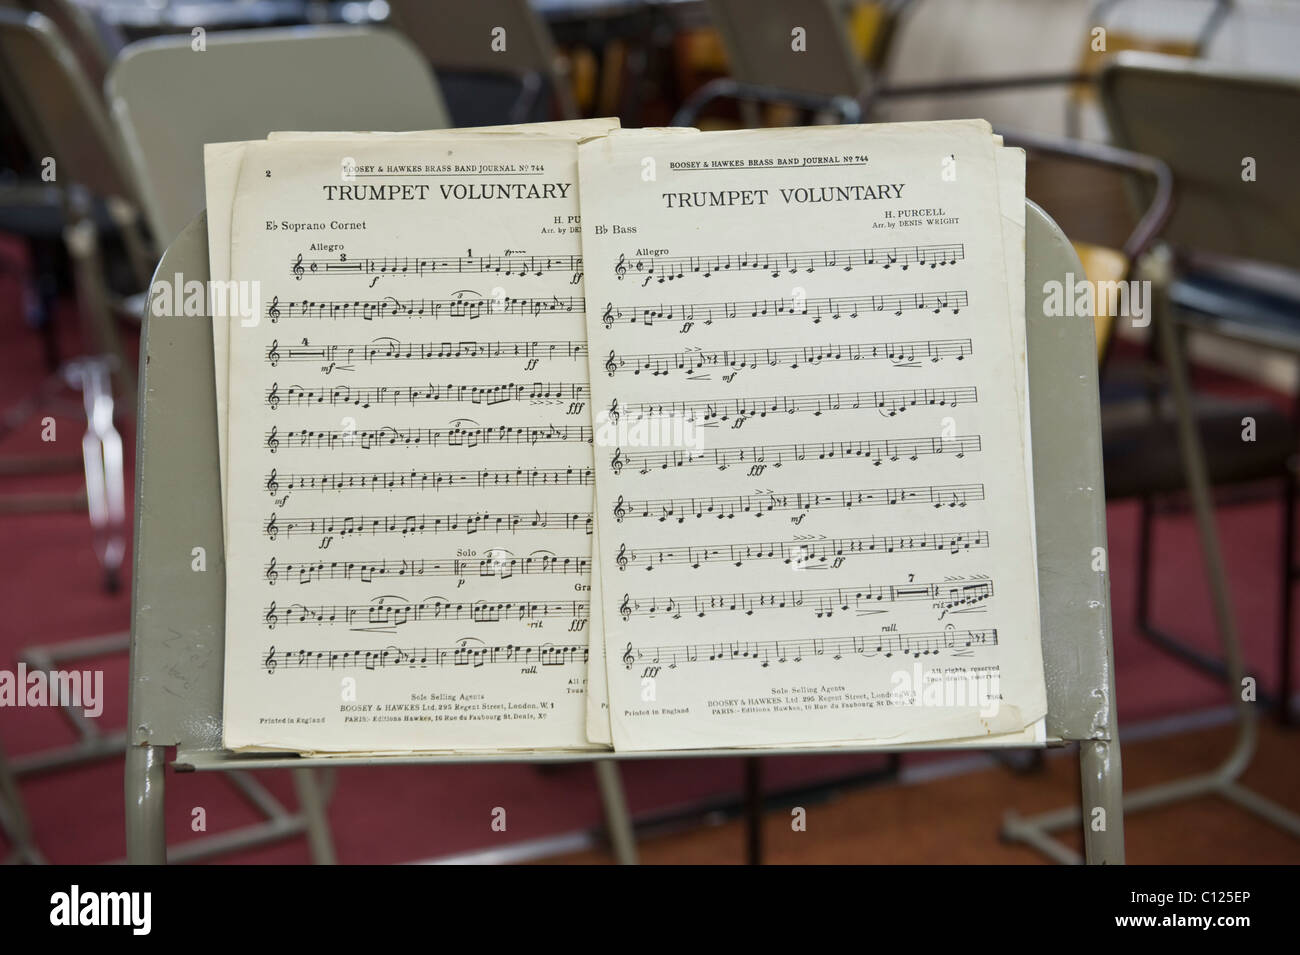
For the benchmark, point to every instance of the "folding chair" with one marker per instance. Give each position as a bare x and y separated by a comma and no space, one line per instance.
1163,106
62,120
1227,222
829,78
168,99
178,622
491,37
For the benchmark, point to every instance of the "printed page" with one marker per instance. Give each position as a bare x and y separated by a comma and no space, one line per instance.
410,465
222,162
811,482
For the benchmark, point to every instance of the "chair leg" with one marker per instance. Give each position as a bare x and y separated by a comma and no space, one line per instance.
1286,711
311,803
618,821
753,811
101,448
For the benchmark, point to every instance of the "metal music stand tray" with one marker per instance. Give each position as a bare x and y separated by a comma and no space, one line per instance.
178,614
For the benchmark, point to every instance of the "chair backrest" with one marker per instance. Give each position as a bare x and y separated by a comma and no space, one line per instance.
490,36
169,99
760,39
1206,122
91,38
487,36
56,107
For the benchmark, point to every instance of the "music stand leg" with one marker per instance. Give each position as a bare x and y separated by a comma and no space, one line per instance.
146,832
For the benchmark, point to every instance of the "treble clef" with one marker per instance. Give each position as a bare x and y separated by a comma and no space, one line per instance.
272,485
270,616
620,511
272,575
608,317
625,608
272,439
616,462
620,267
272,528
273,353
628,657
611,365
273,313
621,559
297,268
613,411
270,662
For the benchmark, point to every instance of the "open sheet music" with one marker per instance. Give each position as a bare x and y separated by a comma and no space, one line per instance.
811,482
667,440
410,477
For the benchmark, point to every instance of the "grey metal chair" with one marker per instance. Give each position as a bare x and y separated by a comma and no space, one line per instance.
1163,106
62,120
501,37
1224,227
168,99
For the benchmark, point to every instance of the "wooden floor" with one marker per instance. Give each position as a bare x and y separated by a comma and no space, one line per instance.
955,819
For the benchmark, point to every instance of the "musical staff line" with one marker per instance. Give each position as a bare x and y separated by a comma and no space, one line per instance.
807,553
277,483
824,602
453,437
418,265
361,397
728,506
876,450
692,361
795,649
498,563
390,349
669,268
891,402
468,304
466,652
380,614
834,308
407,524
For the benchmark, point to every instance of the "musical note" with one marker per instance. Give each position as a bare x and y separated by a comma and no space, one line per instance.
837,649
476,522
343,481
952,593
668,268
497,564
415,266
815,310
722,507
810,551
877,451
694,361
465,652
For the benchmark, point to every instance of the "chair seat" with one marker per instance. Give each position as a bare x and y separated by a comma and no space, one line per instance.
1230,303
1140,447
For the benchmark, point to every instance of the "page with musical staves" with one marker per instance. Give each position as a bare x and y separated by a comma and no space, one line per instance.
811,472
410,458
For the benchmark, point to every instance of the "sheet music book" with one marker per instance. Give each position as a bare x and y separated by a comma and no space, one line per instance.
563,437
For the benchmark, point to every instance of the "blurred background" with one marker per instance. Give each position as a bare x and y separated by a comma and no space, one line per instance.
1162,136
